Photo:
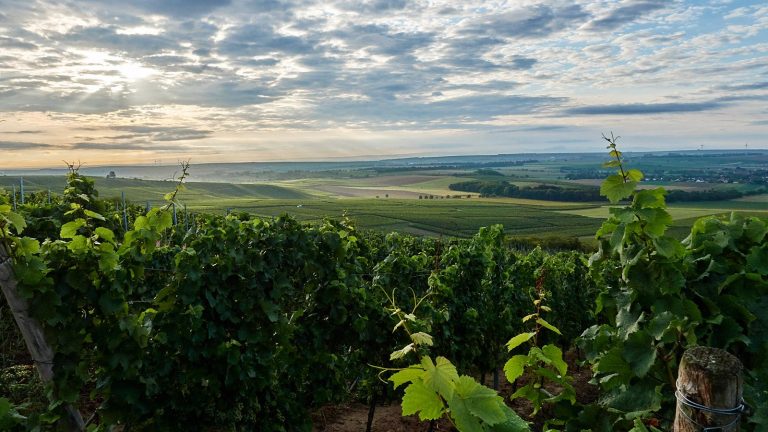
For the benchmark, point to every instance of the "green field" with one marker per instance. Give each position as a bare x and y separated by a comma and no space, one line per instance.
413,200
451,217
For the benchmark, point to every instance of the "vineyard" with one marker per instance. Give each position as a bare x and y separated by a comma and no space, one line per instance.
166,321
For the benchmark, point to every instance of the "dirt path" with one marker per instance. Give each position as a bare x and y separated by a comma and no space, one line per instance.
354,417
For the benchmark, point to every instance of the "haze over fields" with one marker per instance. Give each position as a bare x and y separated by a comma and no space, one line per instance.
145,82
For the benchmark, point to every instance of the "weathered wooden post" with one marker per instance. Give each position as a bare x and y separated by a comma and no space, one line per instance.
42,353
709,391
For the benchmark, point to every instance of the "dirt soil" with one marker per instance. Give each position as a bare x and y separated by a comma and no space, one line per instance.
388,418
354,418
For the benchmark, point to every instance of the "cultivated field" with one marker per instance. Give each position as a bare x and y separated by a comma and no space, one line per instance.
418,199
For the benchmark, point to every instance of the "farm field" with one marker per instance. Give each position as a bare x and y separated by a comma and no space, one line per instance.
400,200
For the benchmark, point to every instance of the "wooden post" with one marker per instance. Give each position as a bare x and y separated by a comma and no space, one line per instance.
709,391
125,213
42,353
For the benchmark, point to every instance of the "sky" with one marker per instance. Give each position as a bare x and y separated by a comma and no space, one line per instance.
157,81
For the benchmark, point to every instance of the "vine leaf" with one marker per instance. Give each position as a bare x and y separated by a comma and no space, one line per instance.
542,322
481,401
420,399
69,229
401,352
422,338
409,374
513,422
519,340
615,188
16,220
440,377
514,367
555,355
640,352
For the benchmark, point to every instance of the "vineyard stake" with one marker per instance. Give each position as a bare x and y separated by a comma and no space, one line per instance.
125,213
21,189
14,197
709,391
42,353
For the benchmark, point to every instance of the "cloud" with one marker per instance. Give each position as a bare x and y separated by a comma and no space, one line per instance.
745,87
7,42
129,146
464,108
20,145
163,133
382,39
374,6
259,39
627,12
171,8
528,22
82,102
643,109
225,92
107,37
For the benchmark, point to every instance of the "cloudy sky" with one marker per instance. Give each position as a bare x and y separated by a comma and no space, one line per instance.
139,81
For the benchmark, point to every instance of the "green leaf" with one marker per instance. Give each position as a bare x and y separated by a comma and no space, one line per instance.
514,367
513,422
615,189
644,396
547,325
69,229
555,354
421,338
613,362
656,220
421,399
94,215
105,234
757,260
519,340
78,244
649,198
440,377
409,374
401,352
640,352
481,401
634,175
28,246
463,418
16,221
668,247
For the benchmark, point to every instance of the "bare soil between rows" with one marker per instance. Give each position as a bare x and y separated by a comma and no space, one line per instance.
353,417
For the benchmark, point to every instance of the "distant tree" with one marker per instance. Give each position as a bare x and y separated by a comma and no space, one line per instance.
111,174
386,195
